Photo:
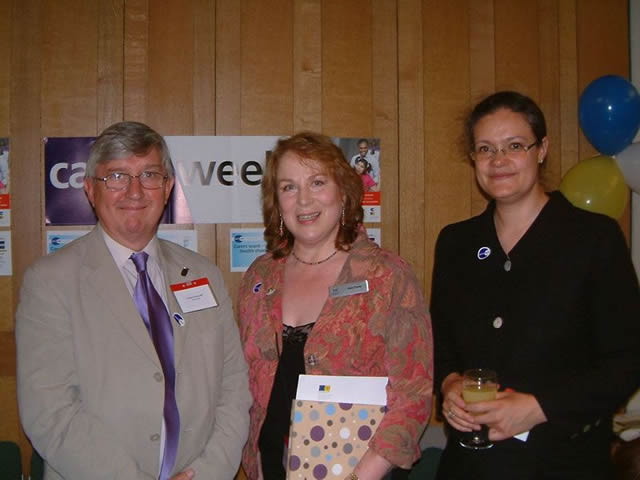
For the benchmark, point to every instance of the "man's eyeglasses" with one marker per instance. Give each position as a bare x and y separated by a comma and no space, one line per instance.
121,181
489,152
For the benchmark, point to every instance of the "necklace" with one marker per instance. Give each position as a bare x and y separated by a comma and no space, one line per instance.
313,263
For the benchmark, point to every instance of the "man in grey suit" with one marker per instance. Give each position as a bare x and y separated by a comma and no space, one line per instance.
129,359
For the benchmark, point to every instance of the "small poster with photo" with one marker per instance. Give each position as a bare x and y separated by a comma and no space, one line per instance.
363,154
5,181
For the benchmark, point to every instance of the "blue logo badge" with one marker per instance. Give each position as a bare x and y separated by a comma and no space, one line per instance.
178,318
483,253
257,287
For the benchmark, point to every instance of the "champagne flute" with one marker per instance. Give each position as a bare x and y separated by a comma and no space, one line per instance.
478,385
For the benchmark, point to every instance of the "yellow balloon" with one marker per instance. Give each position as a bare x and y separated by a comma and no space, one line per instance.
596,184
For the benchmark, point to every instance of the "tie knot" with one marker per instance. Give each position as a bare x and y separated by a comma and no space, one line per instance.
140,261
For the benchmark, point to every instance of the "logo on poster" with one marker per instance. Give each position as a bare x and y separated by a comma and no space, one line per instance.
60,171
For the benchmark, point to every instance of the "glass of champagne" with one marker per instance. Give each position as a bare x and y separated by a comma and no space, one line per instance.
478,385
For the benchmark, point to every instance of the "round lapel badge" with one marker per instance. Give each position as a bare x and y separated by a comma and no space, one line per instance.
483,252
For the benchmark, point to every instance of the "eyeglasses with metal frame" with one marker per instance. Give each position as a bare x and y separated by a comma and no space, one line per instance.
489,152
121,181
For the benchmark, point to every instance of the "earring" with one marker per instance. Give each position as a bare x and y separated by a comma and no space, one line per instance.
342,218
281,227
541,160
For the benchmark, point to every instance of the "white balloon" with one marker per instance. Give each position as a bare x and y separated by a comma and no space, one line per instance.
628,162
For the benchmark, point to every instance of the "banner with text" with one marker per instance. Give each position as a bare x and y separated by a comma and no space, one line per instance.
218,178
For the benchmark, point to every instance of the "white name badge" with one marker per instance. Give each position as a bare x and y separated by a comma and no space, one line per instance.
347,289
195,295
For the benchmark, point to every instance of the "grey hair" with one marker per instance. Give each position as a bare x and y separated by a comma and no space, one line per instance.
124,139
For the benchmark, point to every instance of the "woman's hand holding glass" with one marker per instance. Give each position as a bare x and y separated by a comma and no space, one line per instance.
511,413
454,407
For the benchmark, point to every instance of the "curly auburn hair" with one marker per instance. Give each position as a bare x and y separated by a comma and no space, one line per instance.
319,149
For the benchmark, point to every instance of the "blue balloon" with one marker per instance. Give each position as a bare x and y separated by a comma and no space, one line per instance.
609,111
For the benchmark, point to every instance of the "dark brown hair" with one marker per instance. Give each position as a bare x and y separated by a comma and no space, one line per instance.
315,148
514,101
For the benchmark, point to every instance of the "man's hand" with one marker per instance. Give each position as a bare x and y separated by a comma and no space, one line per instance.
186,475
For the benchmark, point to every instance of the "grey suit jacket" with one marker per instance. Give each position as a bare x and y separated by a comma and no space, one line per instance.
90,385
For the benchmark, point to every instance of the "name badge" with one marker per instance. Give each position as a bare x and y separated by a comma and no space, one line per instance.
347,289
195,295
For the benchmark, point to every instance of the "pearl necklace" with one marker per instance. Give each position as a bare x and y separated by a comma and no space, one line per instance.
314,263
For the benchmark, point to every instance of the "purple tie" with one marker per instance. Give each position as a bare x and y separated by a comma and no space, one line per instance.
155,317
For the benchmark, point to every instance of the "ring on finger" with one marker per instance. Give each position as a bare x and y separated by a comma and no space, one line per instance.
450,413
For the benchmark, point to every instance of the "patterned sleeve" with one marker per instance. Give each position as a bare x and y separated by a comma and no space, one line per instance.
409,363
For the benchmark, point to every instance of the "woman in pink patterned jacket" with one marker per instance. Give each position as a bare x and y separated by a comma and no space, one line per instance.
291,325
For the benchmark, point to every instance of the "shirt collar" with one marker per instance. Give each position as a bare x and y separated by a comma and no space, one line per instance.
121,254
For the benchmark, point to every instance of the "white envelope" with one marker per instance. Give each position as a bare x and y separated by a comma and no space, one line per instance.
343,389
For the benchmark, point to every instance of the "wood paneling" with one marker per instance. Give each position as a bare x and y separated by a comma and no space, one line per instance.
69,68
384,76
136,45
26,194
411,139
307,65
406,71
110,63
482,74
446,100
347,63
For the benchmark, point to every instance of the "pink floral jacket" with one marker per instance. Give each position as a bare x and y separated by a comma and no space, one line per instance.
385,332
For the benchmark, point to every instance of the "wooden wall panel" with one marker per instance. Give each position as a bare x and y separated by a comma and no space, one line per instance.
549,87
267,67
446,100
204,95
136,45
482,75
411,136
110,63
5,53
26,201
347,61
568,142
69,68
516,49
170,56
229,75
384,78
307,65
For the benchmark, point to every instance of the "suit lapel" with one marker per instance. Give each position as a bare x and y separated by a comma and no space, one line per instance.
105,284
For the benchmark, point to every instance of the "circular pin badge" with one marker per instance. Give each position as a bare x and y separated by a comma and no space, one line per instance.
179,319
483,252
257,287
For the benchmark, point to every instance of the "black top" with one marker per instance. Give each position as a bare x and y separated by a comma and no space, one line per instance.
559,317
275,429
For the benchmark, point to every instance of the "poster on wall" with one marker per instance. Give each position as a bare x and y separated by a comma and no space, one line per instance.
218,178
364,156
65,161
5,253
5,182
246,245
